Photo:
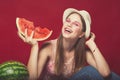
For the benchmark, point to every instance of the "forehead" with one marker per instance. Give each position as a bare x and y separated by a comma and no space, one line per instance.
74,16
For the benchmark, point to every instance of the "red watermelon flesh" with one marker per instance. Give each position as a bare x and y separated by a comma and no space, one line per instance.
39,33
23,24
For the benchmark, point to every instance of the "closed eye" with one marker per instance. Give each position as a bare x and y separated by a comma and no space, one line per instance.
76,24
67,20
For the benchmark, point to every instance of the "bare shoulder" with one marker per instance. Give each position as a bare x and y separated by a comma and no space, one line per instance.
46,48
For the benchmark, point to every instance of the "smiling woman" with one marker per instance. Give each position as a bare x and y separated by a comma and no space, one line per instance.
66,56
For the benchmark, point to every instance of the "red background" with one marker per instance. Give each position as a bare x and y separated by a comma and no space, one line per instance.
48,13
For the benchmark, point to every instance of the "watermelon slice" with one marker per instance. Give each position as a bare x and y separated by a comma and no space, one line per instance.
40,34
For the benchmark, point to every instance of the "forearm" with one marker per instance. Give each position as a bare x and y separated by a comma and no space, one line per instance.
32,63
101,64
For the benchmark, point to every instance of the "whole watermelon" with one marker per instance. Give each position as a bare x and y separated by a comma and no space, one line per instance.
13,70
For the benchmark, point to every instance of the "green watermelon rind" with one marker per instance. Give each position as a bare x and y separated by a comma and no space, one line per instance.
18,27
10,65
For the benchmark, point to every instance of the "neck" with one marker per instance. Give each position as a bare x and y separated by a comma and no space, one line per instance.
68,44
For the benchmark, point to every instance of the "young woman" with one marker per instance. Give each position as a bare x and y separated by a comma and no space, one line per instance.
66,57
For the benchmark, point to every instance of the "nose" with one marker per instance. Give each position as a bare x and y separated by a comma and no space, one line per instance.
70,24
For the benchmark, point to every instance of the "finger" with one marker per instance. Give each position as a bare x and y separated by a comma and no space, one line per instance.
21,36
31,36
92,35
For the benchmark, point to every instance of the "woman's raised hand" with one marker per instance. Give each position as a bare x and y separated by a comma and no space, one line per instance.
26,38
91,39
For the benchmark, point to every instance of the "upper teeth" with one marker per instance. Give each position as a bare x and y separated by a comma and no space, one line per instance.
68,30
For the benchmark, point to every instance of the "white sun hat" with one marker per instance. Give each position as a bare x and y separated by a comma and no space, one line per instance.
84,14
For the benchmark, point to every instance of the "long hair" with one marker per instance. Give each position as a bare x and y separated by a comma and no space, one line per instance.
79,56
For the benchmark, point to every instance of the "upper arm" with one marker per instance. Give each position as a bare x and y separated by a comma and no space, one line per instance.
43,56
90,59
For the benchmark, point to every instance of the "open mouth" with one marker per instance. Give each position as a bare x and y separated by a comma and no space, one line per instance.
68,30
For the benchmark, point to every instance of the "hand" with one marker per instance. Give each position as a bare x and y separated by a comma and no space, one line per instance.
91,39
26,38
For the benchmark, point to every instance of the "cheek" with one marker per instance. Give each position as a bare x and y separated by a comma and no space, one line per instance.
64,25
77,31
62,28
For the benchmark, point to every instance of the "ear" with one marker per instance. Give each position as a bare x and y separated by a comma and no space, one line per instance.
82,34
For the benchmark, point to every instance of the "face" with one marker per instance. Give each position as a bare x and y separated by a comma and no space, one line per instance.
72,27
